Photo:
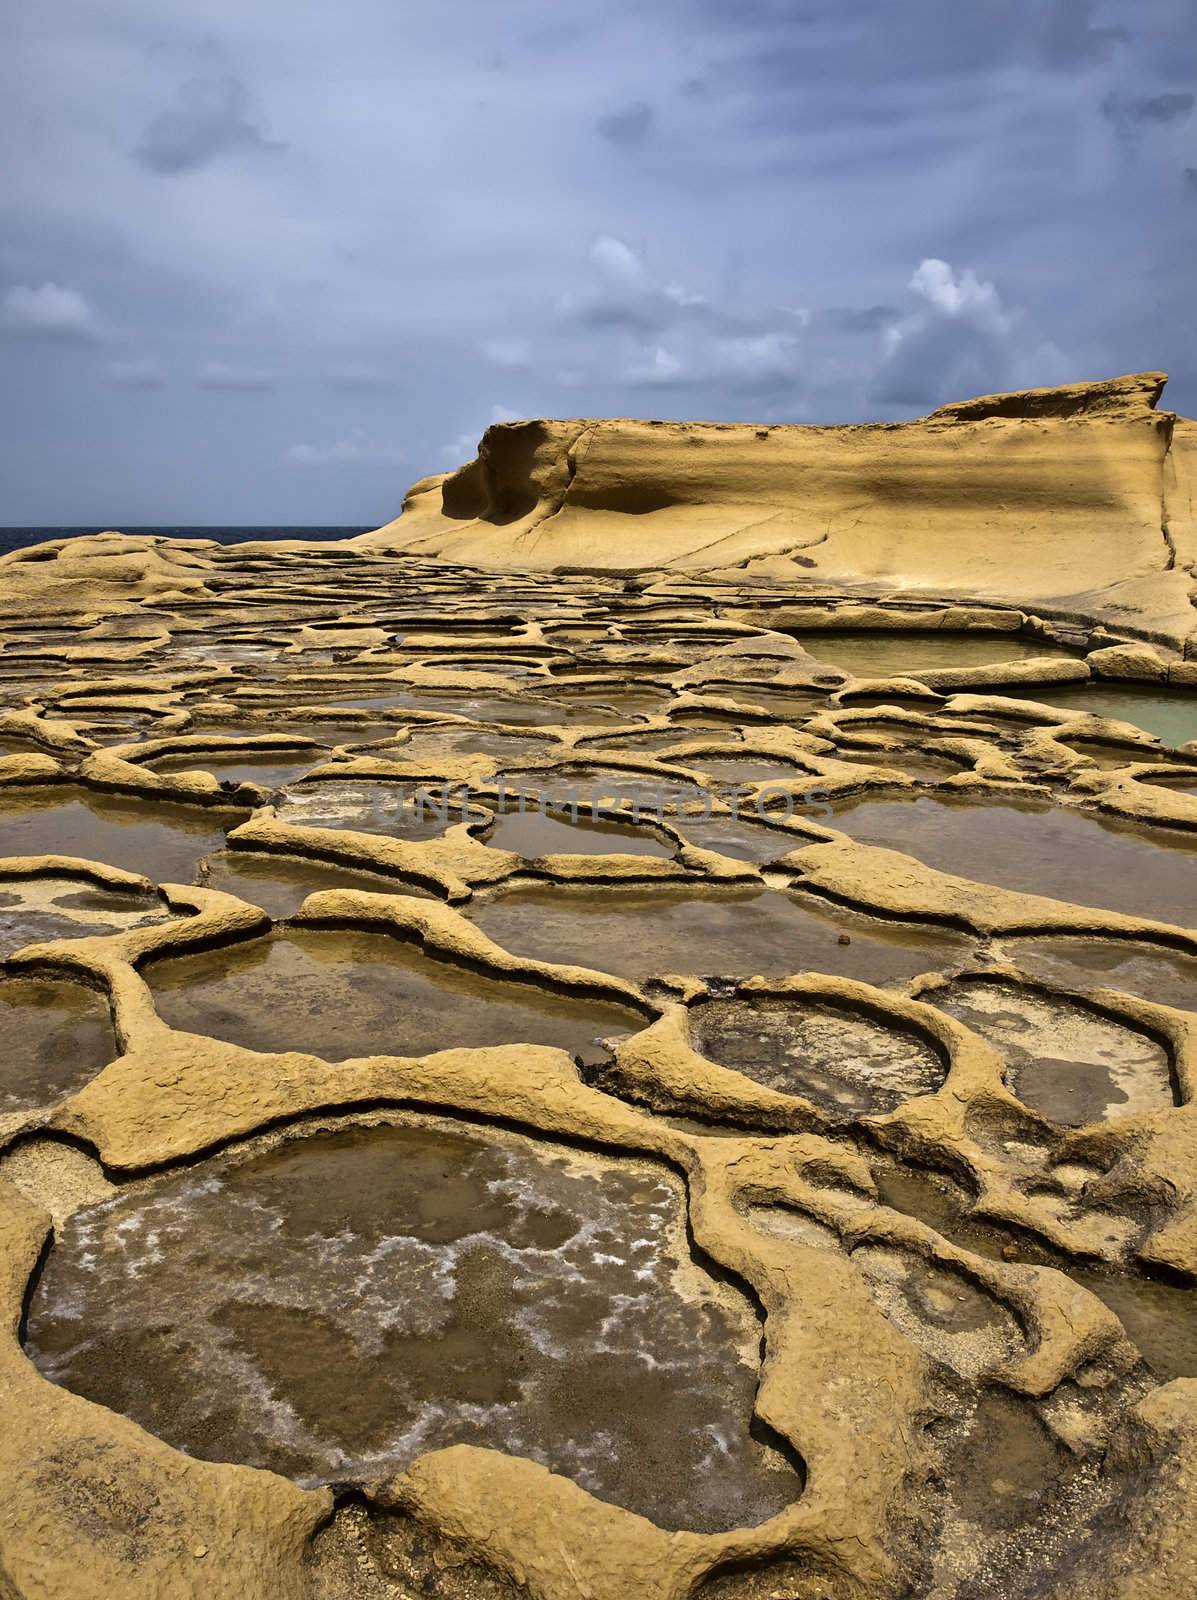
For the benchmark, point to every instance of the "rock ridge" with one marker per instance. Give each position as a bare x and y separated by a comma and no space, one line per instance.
1081,495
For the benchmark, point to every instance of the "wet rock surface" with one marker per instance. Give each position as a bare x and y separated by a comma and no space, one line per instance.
850,1064
1066,1060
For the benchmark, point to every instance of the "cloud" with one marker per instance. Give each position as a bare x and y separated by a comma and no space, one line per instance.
628,125
138,372
624,296
962,340
666,335
48,311
1070,36
221,375
210,117
356,449
1130,113
956,335
616,260
962,298
661,367
1173,107
752,362
854,319
617,297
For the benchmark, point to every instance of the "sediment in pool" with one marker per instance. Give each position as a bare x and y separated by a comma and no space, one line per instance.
453,740
1066,1060
848,1063
893,653
1170,714
532,832
161,841
650,792
35,910
1066,854
280,884
735,837
1134,967
1160,1317
638,934
54,1036
267,771
737,771
401,811
343,994
333,1307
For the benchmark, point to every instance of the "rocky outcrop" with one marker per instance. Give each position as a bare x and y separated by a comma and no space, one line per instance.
1078,496
1113,397
109,572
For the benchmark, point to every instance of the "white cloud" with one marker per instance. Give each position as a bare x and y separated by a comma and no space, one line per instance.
962,340
762,360
221,375
138,372
964,296
356,449
461,450
774,354
618,261
956,335
667,334
48,311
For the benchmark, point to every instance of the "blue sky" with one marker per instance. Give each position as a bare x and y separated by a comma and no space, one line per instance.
269,263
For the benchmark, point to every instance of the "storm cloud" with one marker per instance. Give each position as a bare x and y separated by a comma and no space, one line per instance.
208,117
270,263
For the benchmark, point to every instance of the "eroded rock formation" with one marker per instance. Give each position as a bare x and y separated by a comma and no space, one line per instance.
1079,496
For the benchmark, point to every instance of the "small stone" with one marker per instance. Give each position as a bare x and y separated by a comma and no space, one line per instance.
844,938
1009,1252
199,1550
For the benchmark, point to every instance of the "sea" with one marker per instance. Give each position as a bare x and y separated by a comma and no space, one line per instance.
18,538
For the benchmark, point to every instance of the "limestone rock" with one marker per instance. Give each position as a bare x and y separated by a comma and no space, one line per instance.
1139,663
1081,495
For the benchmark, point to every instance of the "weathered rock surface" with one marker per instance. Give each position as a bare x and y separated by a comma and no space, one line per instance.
1082,496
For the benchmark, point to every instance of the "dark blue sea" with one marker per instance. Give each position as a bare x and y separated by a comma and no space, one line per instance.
16,538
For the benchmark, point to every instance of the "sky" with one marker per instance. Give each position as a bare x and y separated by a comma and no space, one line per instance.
269,263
